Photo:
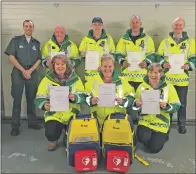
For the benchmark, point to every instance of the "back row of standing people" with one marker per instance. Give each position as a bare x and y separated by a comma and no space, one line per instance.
24,53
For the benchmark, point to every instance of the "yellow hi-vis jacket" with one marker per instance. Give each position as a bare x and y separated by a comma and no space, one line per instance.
69,47
123,90
169,46
144,45
75,87
168,94
104,45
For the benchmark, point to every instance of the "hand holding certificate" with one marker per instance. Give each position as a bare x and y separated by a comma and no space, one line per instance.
134,59
176,61
92,60
150,101
107,95
59,100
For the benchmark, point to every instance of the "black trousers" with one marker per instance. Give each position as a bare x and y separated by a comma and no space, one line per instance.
18,84
130,111
182,94
154,141
53,130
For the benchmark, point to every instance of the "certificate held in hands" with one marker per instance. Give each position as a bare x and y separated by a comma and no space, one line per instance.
59,99
176,61
107,95
150,101
92,60
134,59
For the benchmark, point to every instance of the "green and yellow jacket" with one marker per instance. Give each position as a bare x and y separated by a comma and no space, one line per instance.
104,45
169,46
123,90
168,94
144,45
69,47
75,87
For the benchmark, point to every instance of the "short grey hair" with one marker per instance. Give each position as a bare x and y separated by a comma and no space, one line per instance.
69,68
105,57
135,16
174,21
154,66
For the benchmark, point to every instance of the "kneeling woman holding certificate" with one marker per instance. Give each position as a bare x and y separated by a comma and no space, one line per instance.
107,92
155,100
59,94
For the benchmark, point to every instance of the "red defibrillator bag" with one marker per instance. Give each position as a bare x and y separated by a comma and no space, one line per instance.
86,160
118,161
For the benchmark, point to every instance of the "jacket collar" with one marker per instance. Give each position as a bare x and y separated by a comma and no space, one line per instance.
183,38
127,35
103,34
161,84
115,78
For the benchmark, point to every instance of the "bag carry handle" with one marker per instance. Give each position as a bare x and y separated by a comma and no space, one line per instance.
92,115
126,115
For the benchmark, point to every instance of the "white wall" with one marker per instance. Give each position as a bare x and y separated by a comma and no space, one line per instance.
76,17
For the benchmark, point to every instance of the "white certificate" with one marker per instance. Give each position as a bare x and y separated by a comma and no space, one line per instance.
176,61
59,100
107,95
150,101
134,59
56,53
92,60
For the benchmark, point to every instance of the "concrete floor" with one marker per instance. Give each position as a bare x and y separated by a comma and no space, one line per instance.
27,153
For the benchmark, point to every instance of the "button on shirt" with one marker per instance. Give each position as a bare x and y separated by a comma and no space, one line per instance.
27,53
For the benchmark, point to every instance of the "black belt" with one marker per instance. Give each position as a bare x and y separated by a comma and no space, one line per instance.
27,66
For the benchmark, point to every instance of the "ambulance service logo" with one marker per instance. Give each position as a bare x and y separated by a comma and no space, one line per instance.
116,161
86,161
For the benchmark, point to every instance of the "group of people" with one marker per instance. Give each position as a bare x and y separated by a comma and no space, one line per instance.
153,130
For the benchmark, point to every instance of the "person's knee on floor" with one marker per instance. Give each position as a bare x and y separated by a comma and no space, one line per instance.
143,134
157,142
53,132
155,148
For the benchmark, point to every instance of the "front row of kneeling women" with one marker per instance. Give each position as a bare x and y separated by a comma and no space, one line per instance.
152,129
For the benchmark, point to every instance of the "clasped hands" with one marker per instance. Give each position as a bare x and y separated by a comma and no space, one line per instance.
27,74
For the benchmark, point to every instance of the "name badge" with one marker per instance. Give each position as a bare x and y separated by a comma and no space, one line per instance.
20,46
34,48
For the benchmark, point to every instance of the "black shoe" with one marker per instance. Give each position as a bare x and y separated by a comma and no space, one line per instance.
15,132
35,126
182,129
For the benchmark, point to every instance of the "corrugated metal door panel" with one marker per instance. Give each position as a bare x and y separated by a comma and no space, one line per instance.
76,17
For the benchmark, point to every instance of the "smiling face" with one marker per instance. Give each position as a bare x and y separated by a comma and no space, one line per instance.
107,68
59,33
28,28
178,26
154,75
59,66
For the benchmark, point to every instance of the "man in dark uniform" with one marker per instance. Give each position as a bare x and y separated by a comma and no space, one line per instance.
24,53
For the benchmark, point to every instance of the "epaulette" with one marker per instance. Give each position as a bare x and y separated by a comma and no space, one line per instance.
36,40
17,37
